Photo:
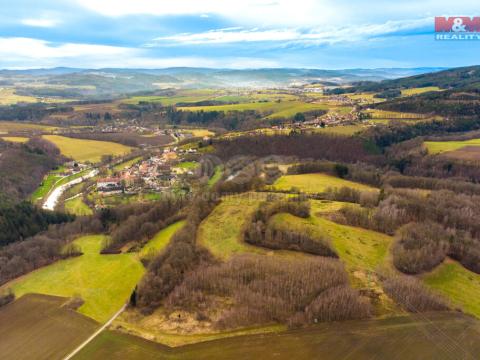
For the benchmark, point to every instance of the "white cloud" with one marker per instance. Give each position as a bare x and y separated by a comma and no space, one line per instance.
261,12
287,13
18,53
45,23
326,35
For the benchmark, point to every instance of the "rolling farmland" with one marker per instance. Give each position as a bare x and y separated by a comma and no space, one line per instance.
87,150
315,183
104,282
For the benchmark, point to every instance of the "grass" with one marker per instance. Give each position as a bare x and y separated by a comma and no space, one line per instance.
45,187
459,285
37,327
104,282
76,206
199,132
221,231
420,90
285,109
87,150
187,165
217,175
127,164
16,139
383,114
347,130
358,248
438,336
438,147
12,126
9,97
315,183
160,240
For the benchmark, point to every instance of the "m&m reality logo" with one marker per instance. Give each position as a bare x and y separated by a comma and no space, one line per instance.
457,28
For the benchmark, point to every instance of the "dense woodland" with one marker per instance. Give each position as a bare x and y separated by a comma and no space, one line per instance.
23,167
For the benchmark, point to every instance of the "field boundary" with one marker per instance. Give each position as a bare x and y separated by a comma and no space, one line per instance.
95,334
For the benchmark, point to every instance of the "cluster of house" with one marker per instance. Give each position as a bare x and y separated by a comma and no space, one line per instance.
154,173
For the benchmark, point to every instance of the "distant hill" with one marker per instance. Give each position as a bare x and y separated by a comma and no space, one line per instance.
112,81
457,78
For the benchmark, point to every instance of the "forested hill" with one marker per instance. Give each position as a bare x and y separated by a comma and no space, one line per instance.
458,78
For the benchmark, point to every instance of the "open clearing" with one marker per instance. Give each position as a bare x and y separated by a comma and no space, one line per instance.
439,147
104,282
439,336
421,90
16,139
9,97
160,240
87,150
346,130
37,327
11,127
221,231
77,207
272,109
458,284
383,114
315,183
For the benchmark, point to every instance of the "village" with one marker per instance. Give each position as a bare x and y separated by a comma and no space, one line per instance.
159,172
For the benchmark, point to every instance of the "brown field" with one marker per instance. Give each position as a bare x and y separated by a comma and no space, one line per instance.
37,327
429,336
471,153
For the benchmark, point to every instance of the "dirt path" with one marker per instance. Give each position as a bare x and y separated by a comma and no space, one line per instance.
94,335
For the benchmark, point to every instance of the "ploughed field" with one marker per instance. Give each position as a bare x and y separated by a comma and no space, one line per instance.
40,327
430,336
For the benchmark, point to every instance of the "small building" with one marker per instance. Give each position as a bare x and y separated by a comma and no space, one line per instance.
109,184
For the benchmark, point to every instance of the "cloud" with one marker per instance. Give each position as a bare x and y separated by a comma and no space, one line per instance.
16,53
262,12
317,36
44,23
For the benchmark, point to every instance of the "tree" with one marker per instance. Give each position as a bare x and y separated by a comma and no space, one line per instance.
299,117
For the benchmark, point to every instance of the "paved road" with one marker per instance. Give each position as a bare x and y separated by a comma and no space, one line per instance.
53,197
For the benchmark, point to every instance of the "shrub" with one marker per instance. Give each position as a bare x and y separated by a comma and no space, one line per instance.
412,295
268,289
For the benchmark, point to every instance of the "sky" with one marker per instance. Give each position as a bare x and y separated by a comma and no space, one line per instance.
324,34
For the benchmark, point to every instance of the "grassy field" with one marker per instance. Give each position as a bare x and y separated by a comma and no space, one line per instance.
221,231
358,248
347,130
459,285
421,90
383,114
217,175
127,164
199,132
87,150
441,336
37,327
47,184
160,240
187,165
77,207
438,147
16,139
277,109
9,97
52,180
315,183
11,126
104,282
